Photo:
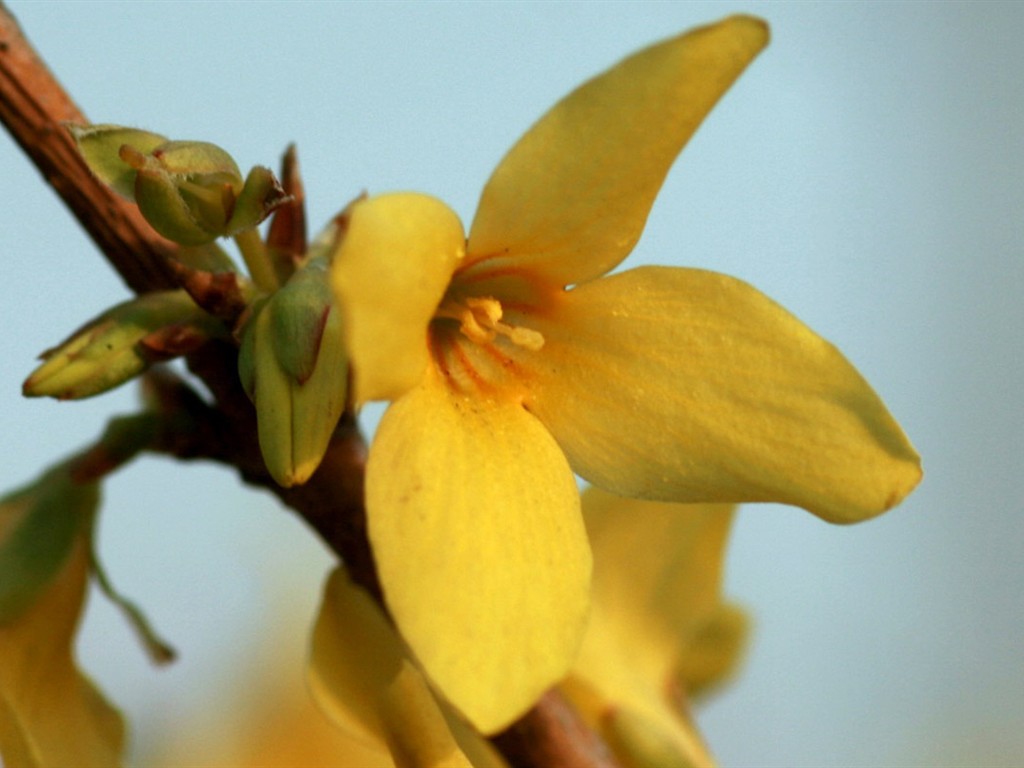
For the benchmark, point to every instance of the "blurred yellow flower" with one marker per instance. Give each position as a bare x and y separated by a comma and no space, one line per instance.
658,630
273,724
51,715
266,719
362,677
513,361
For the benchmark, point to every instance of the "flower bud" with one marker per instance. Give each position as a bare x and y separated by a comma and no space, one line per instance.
120,344
191,192
293,365
38,526
185,190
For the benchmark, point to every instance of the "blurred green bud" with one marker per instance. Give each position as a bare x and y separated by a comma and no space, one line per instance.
191,192
38,526
120,344
293,365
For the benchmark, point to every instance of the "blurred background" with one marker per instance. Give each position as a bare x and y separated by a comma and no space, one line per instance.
865,172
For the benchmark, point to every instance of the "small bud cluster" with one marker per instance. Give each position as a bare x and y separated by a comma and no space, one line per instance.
191,192
292,361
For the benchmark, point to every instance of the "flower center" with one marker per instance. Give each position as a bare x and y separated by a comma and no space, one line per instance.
480,321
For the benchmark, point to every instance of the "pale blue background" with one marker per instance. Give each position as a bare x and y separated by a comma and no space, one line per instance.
865,172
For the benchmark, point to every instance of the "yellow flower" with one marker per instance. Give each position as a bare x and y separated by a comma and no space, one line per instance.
363,680
658,630
51,715
513,361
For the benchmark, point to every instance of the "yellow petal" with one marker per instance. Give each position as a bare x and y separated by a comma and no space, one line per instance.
657,578
684,385
642,741
570,199
362,679
51,715
389,274
267,720
474,520
657,572
713,650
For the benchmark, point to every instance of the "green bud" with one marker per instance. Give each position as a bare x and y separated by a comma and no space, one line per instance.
38,526
293,365
186,190
120,344
261,194
100,147
191,192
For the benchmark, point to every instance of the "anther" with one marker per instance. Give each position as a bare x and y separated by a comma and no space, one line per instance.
480,320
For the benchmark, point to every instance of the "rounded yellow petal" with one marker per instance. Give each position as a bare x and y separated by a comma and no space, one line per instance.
571,198
389,273
684,385
474,520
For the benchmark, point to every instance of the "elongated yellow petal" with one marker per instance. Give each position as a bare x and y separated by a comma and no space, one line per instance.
474,520
684,385
389,275
657,572
657,580
570,199
362,679
51,715
713,651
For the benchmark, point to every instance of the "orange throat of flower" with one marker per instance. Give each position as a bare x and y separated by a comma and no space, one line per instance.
475,350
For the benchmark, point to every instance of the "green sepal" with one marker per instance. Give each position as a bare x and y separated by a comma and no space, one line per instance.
298,314
107,351
247,348
100,147
38,526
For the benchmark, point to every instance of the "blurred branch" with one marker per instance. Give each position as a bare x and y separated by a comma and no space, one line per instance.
34,108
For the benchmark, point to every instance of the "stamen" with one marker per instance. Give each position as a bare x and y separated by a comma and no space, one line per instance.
480,320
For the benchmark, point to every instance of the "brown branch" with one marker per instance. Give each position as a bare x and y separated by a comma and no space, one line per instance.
33,108
552,734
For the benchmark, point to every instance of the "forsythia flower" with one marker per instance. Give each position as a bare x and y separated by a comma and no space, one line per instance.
362,678
51,715
658,631
514,360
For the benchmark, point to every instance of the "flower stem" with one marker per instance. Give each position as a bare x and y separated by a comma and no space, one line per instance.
257,259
